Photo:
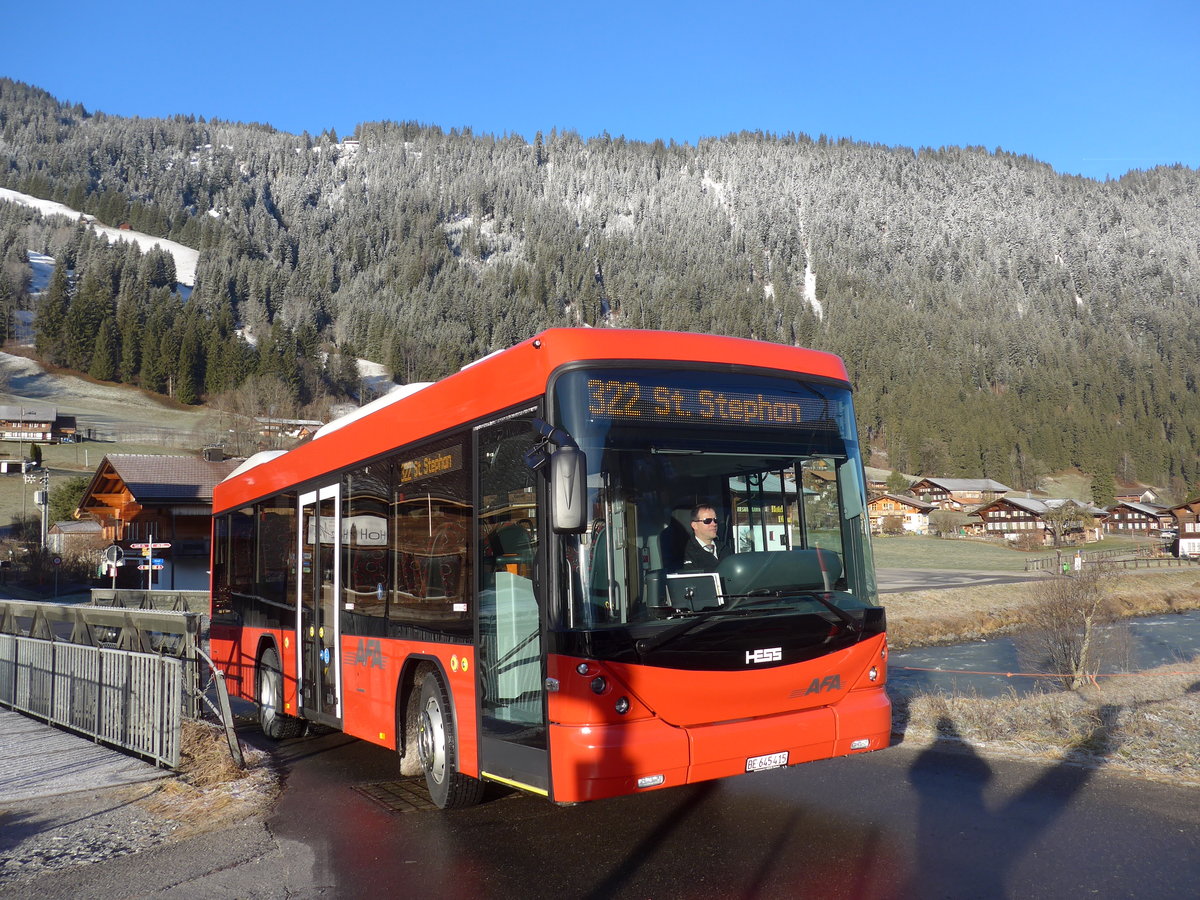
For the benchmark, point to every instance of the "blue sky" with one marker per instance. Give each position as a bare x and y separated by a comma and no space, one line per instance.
1093,88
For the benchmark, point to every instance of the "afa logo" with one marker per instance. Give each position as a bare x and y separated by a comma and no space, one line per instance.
369,654
820,686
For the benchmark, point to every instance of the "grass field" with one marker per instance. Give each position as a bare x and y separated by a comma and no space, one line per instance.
912,552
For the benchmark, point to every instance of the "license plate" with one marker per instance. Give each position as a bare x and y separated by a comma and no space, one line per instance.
770,761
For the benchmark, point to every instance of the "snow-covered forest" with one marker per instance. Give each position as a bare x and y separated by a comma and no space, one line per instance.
999,319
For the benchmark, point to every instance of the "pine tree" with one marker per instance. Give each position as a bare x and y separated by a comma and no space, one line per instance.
189,380
1104,490
51,314
130,328
89,308
105,353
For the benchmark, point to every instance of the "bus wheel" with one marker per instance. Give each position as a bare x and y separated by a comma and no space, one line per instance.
438,749
275,725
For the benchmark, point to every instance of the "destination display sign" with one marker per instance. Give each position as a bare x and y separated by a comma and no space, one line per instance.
649,400
438,463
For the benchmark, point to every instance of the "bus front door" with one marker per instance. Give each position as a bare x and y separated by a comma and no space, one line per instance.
318,604
512,737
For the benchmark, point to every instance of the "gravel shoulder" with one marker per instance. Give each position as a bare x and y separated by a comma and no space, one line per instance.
56,839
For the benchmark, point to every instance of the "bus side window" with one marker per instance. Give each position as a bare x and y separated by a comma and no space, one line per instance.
430,523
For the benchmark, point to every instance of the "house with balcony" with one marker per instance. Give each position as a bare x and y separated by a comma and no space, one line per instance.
1187,527
1012,517
912,513
1132,517
35,424
960,494
142,499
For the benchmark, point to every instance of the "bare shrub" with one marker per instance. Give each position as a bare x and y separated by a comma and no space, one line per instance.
1065,626
946,522
1029,541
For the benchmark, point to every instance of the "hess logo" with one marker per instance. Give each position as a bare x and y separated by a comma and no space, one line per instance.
765,655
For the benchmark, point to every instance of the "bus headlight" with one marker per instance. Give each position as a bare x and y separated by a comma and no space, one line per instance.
622,705
599,685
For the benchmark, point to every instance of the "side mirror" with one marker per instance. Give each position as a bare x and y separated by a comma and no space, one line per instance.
568,490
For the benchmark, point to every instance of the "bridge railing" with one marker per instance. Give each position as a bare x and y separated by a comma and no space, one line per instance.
129,700
124,675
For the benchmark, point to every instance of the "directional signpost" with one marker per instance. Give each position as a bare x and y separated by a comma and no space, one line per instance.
150,563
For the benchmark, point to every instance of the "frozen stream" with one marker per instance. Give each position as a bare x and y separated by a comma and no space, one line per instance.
1132,645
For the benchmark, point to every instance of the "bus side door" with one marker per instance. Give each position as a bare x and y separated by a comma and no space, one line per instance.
512,700
318,605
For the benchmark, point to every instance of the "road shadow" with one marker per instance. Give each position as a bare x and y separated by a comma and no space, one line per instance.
954,813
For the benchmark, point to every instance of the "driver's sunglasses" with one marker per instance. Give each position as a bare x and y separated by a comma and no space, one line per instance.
705,521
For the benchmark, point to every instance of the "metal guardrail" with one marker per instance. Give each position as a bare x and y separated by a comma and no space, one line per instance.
129,700
125,675
179,601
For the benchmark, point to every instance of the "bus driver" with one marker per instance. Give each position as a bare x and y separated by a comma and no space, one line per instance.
702,550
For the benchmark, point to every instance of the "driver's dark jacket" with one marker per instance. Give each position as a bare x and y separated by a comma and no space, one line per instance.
697,559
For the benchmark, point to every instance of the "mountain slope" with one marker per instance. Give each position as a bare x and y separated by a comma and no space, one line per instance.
999,319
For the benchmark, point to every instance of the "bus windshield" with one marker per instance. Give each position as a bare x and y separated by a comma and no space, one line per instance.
774,459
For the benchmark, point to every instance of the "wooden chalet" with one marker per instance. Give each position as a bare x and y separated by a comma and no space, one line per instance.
1130,517
1187,526
957,493
1146,495
136,498
913,513
35,424
1012,517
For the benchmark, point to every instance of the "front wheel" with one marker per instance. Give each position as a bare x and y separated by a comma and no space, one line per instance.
437,747
275,724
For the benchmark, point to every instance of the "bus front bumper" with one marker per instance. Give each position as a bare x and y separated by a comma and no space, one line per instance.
591,762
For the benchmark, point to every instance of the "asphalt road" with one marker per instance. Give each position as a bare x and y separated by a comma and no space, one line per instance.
891,580
903,823
896,824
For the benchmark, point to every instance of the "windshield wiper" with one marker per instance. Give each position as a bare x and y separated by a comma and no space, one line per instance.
740,604
738,601
645,645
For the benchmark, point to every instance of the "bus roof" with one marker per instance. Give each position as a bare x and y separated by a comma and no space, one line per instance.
497,382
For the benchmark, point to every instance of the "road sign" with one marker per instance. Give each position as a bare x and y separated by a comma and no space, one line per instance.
144,568
156,546
157,562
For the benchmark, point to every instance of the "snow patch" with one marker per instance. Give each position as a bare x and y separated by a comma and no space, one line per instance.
810,291
398,393
43,267
185,257
709,184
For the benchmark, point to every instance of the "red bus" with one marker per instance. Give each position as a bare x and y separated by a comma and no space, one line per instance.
486,573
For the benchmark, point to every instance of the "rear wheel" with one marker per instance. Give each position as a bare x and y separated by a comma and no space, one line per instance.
437,747
275,724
